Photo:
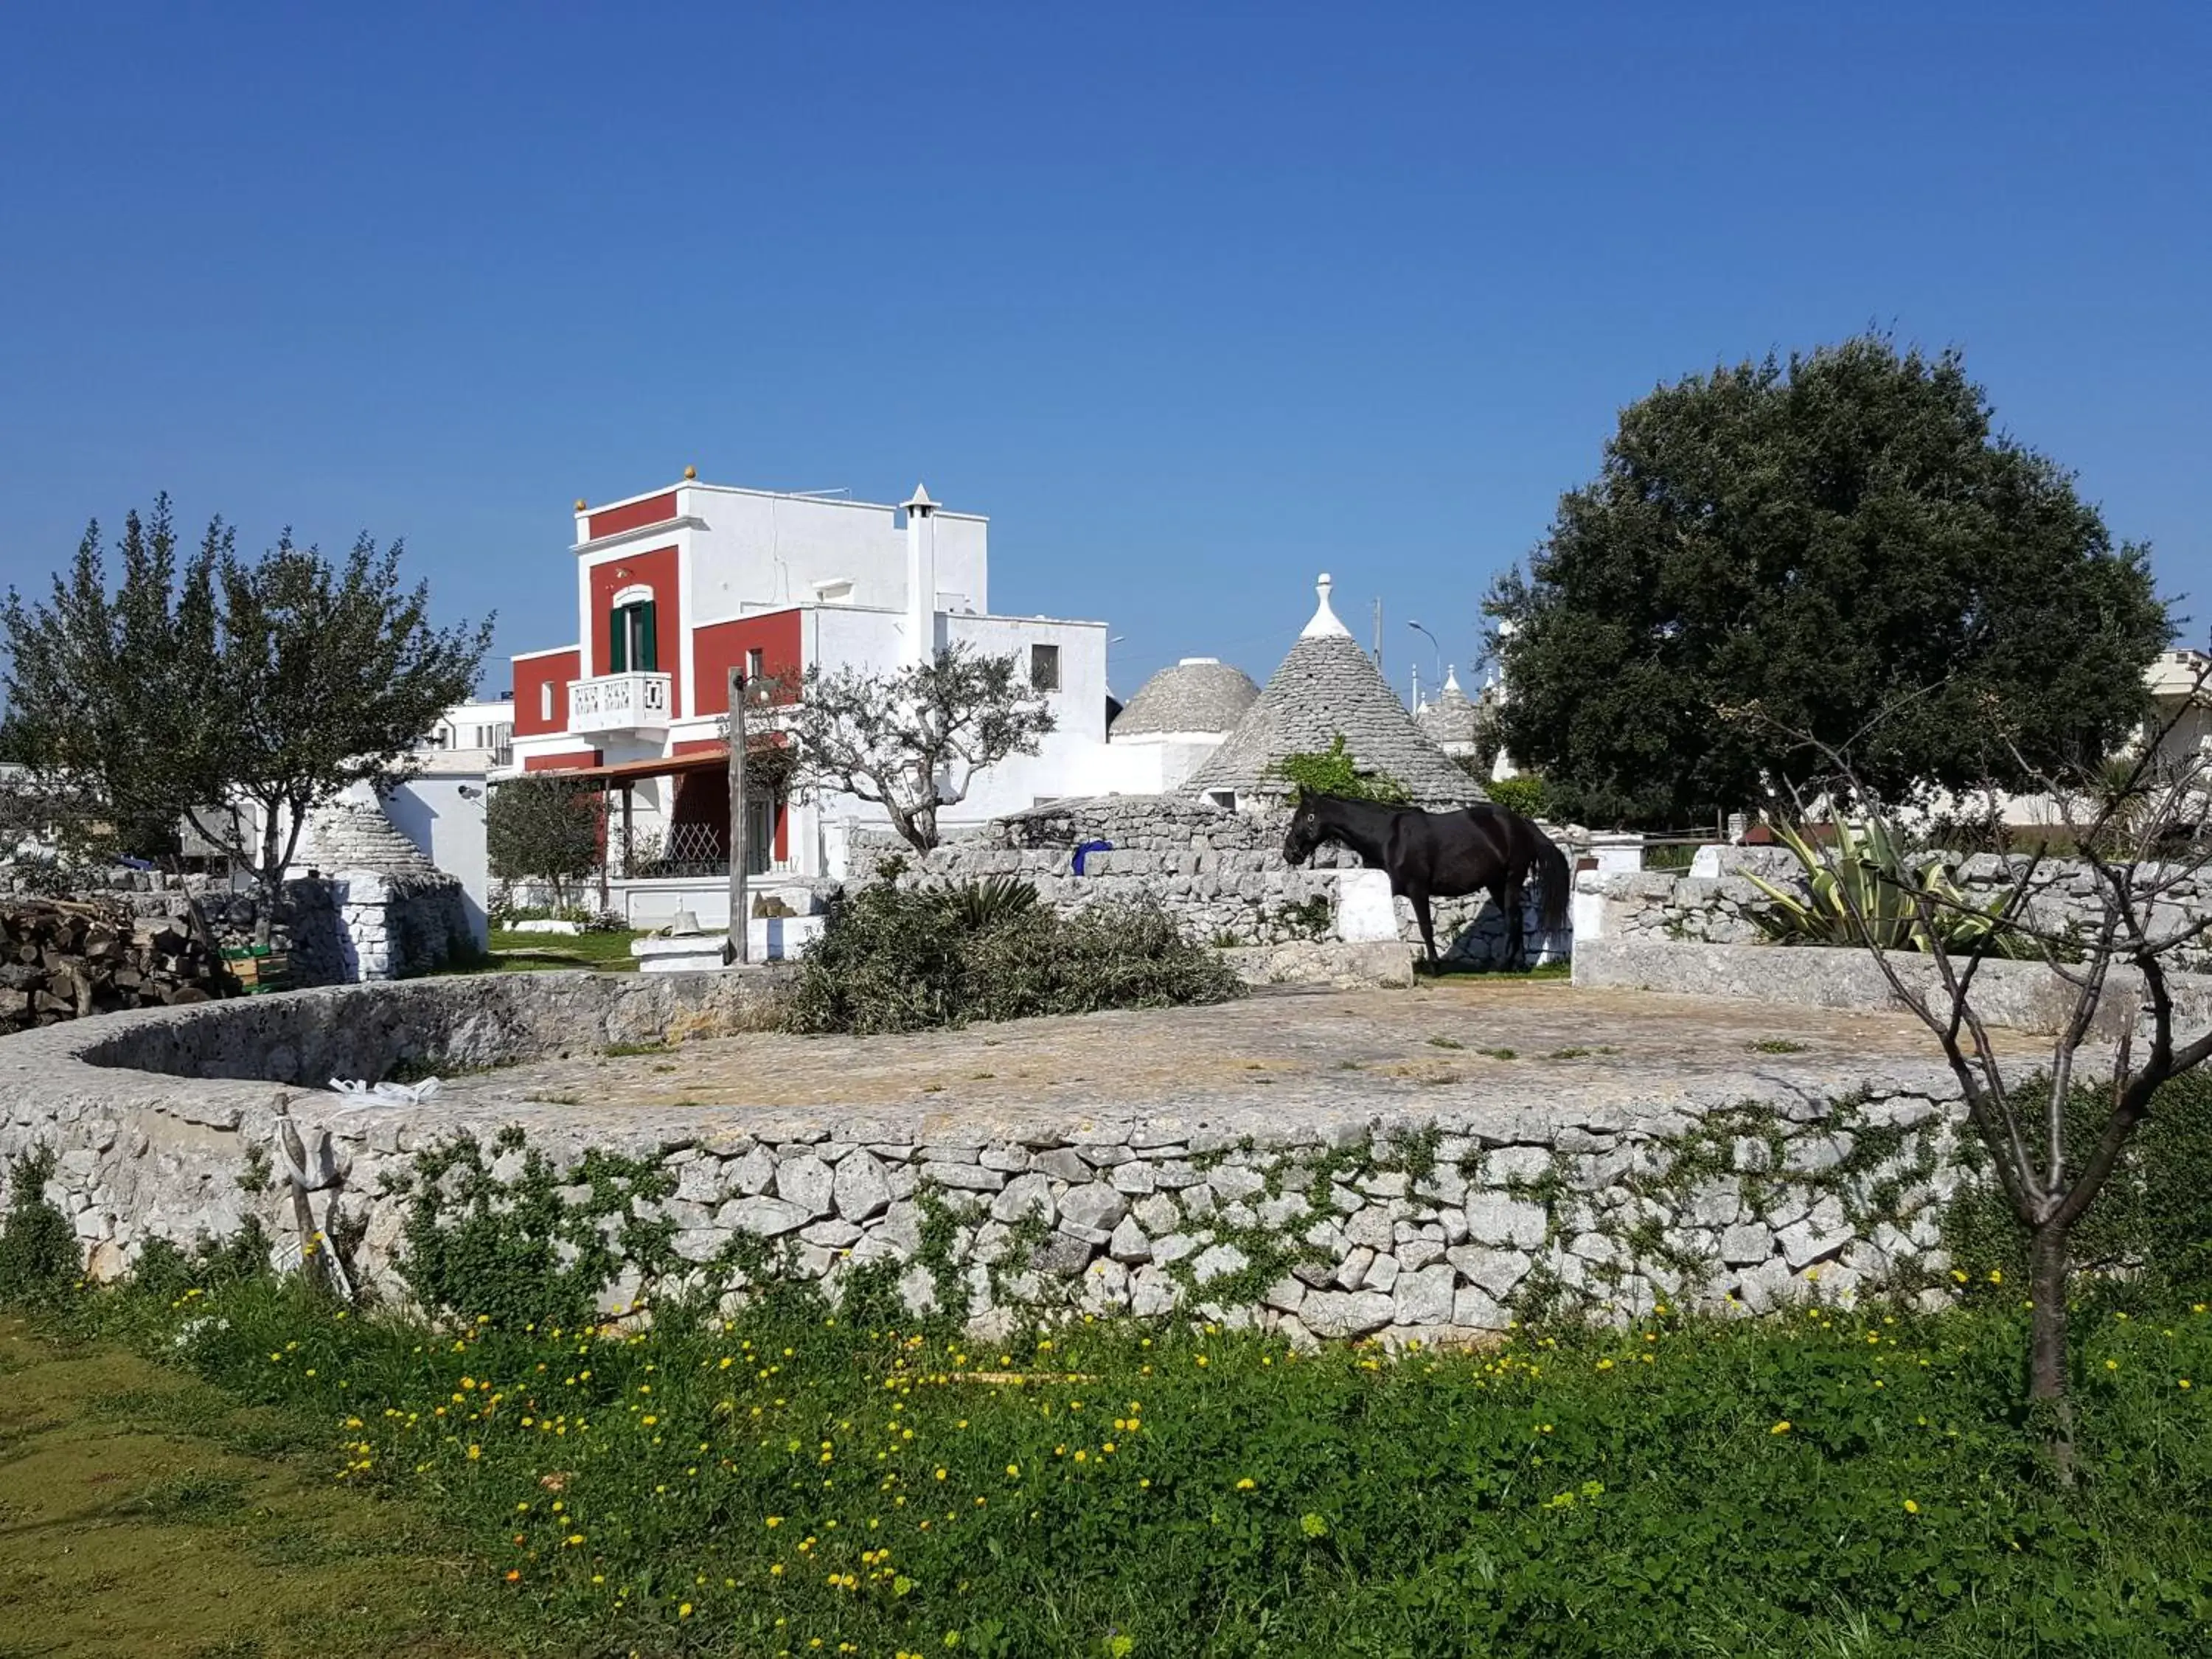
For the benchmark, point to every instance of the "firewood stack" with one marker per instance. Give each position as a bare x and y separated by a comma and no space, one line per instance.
60,960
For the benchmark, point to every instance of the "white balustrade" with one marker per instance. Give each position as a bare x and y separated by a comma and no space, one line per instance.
619,703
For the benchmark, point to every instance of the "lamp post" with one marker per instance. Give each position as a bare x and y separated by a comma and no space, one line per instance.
1433,647
739,851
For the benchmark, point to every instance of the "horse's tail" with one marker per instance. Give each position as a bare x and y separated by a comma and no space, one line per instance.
1555,883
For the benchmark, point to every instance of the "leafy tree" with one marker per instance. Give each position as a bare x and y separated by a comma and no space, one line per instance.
1526,794
1844,546
233,696
543,830
912,741
1334,772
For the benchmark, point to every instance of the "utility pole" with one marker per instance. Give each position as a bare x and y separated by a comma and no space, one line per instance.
738,919
1378,631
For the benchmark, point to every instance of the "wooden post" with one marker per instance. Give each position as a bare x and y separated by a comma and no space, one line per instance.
739,930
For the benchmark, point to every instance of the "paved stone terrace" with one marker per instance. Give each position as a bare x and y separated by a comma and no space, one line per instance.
1521,1043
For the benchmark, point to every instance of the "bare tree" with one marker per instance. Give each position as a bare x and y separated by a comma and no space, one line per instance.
913,741
2126,1024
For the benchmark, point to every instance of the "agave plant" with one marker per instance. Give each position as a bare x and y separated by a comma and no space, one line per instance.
1869,892
976,905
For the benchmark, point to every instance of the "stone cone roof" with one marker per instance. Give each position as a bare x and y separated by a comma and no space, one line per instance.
347,835
1197,694
1453,717
1326,686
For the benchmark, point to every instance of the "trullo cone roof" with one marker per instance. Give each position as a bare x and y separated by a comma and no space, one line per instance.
1326,687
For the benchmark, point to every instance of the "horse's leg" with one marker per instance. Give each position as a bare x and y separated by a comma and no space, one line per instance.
1419,897
1506,896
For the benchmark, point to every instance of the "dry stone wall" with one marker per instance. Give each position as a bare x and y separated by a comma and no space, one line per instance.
1723,909
1220,873
1320,1217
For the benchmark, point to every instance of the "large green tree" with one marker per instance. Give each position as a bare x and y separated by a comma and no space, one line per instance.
1842,548
234,695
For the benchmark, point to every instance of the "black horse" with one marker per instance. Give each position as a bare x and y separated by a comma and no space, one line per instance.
1442,855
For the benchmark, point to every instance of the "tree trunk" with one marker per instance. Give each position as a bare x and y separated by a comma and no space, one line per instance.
2047,1396
270,880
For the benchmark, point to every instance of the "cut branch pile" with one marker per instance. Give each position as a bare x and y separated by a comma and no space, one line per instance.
60,961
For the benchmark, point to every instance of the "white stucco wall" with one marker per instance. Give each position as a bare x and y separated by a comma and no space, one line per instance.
756,551
442,813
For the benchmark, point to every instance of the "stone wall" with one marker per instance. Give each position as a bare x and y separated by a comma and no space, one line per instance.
1723,907
390,927
1322,1221
1220,873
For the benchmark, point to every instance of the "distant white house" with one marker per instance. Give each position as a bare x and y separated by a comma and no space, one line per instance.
2172,680
481,732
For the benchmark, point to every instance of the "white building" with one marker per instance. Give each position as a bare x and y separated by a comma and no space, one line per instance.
1178,719
481,732
678,587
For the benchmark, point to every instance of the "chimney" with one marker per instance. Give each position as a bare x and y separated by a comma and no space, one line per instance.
920,577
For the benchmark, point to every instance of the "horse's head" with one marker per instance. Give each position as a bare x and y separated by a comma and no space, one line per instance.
1305,832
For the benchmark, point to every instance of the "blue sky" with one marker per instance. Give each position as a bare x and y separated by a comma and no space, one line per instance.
1195,301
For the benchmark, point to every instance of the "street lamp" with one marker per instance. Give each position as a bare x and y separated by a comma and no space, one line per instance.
1433,647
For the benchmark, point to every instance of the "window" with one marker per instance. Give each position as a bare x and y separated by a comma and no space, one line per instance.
1044,668
760,834
544,700
631,647
755,663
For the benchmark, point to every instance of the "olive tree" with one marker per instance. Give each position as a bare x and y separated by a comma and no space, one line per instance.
912,741
2058,1125
230,694
545,829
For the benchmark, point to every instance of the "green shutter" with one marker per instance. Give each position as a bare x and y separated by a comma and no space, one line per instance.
618,641
649,639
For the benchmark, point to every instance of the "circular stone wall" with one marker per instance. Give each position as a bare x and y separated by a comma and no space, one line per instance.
1356,1206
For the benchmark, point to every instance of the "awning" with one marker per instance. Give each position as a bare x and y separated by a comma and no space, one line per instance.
716,759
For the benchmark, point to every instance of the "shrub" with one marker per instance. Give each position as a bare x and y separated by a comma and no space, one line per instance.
1525,795
39,1258
893,959
1334,772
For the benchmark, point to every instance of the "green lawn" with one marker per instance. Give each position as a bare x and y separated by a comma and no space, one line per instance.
522,954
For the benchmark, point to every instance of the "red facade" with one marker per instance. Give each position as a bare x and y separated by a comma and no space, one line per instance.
655,570
656,509
720,646
532,675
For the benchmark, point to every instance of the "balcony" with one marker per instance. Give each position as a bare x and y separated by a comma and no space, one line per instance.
619,703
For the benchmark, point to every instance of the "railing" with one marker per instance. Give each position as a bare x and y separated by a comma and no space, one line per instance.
619,703
690,851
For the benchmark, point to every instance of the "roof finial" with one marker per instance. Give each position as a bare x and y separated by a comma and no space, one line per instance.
1451,677
1324,619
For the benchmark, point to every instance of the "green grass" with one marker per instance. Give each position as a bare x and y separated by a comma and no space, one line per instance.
521,953
1822,1483
144,1513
